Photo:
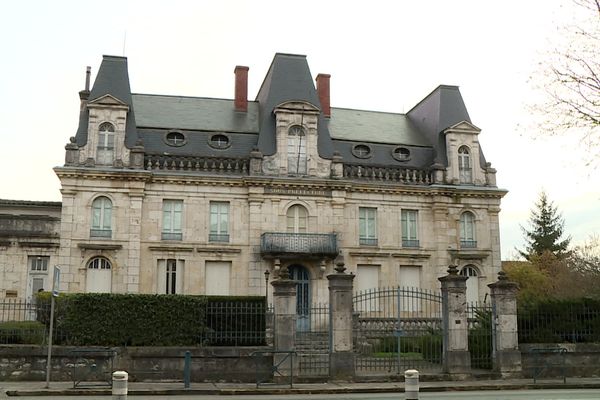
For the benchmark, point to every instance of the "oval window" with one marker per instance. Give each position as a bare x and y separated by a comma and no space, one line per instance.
401,154
361,151
175,138
219,141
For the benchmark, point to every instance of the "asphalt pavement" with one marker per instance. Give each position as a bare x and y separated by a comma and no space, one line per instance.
144,389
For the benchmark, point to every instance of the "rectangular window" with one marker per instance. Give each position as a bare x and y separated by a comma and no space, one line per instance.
172,214
217,278
219,221
296,154
409,228
38,263
170,276
367,226
367,283
409,279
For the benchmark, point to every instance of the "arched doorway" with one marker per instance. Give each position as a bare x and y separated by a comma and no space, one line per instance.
99,276
472,283
300,274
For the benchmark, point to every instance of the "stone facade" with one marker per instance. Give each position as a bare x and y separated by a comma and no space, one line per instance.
29,241
297,181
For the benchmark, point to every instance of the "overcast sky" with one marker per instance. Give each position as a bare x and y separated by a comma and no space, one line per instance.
382,55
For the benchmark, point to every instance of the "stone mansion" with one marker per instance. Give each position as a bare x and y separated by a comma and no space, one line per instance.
194,195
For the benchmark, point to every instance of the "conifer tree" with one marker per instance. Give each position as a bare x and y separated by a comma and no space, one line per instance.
545,230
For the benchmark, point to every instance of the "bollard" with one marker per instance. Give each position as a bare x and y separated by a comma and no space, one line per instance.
411,384
119,385
187,366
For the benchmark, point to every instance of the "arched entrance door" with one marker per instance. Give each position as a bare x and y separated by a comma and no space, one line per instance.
300,274
472,283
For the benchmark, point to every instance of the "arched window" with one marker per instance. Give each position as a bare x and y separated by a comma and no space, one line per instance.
101,217
464,165
472,283
106,144
296,219
467,230
99,275
296,150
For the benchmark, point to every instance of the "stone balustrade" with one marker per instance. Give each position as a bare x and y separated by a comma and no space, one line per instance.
409,176
235,166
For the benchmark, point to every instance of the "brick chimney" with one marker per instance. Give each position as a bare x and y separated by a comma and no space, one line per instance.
241,88
323,92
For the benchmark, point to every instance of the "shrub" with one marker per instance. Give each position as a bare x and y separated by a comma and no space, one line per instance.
155,320
23,332
558,321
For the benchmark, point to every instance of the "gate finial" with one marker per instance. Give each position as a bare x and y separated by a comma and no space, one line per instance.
339,264
452,270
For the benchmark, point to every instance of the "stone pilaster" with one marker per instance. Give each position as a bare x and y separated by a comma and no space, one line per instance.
256,160
507,359
457,359
284,308
341,358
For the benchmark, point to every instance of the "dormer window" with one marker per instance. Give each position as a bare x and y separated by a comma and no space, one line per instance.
361,151
464,165
401,154
219,141
175,138
105,151
296,150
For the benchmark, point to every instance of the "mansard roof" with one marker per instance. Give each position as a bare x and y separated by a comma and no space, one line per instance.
113,80
287,80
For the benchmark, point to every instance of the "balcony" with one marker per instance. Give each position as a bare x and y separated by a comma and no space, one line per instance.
410,243
468,244
282,245
101,233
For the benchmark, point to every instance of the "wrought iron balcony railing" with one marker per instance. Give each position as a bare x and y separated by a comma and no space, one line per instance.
410,242
468,244
306,244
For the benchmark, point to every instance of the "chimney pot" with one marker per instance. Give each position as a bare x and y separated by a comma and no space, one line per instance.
241,88
323,92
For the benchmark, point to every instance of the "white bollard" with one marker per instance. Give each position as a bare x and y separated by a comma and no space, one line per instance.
411,384
119,385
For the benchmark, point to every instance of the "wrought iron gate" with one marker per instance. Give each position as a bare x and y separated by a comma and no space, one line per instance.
398,329
481,319
313,343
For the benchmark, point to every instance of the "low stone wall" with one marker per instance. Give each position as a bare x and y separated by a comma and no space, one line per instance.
209,364
580,360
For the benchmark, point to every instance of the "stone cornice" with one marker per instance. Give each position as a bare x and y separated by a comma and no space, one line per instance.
99,246
470,254
103,174
374,186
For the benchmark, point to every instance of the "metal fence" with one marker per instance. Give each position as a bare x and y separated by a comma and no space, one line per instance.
555,322
313,342
19,322
480,319
227,323
397,329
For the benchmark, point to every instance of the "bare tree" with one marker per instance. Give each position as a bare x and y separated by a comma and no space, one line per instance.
570,80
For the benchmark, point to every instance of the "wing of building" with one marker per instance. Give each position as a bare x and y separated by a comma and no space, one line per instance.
194,195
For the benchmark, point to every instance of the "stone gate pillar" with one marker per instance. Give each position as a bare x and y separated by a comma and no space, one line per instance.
507,358
284,326
341,357
457,359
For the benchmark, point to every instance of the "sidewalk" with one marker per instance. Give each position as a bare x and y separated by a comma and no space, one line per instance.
172,388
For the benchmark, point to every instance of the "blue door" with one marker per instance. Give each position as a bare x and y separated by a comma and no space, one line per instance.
300,275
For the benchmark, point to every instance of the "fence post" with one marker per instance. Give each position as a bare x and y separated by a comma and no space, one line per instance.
284,309
507,359
341,357
457,359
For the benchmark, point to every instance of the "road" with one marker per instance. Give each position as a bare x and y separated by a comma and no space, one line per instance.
567,394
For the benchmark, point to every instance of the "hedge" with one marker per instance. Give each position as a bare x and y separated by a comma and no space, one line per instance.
560,321
103,319
23,332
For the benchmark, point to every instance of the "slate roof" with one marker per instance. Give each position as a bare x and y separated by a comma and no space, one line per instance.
113,79
288,79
